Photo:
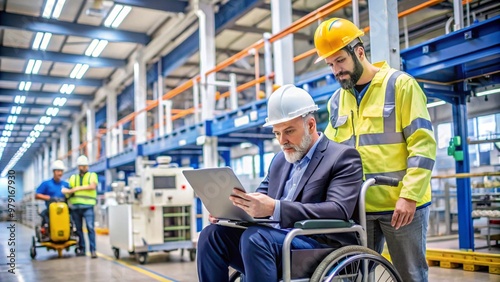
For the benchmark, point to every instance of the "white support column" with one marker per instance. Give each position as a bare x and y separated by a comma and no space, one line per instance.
140,96
268,63
111,119
91,142
75,143
40,169
53,150
207,57
206,18
46,162
63,148
233,92
166,107
384,32
196,101
458,15
119,132
159,90
281,14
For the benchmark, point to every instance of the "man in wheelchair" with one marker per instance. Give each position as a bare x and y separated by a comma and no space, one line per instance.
50,191
311,178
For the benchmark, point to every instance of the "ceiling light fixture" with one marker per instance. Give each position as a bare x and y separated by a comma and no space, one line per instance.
49,6
58,9
19,99
117,15
435,104
100,47
488,92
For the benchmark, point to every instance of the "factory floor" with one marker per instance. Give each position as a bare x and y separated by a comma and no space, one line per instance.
160,266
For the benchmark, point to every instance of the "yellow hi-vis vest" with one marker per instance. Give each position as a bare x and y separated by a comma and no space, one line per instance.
392,131
85,197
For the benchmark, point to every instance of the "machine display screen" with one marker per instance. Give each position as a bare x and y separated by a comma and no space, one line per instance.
164,182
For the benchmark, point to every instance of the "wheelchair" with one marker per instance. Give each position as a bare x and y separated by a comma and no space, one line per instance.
59,234
348,263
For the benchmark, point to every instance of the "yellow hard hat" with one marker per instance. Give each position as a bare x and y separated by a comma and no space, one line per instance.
333,35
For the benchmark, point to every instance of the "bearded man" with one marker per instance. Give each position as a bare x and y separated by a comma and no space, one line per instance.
311,178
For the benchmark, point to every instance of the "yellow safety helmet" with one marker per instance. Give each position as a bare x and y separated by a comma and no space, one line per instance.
333,35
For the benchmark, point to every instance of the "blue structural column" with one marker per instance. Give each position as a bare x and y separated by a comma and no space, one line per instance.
260,144
465,229
226,156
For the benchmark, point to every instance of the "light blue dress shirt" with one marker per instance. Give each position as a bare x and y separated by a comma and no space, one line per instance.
296,173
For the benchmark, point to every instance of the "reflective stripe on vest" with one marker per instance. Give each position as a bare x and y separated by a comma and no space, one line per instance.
389,136
86,197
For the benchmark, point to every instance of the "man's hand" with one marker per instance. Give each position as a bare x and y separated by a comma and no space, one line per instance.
404,212
212,219
255,204
67,191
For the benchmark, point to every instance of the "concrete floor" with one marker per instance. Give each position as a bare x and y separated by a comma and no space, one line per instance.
160,266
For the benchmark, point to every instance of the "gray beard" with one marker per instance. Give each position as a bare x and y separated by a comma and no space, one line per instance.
300,150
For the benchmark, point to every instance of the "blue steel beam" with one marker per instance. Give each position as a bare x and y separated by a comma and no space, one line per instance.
38,106
34,24
9,52
41,94
173,6
227,14
12,76
454,56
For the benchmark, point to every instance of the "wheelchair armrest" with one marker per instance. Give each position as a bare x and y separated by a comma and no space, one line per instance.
323,223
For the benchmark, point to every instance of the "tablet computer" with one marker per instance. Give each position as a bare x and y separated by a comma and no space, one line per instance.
214,186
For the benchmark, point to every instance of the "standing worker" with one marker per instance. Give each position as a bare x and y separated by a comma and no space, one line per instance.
51,190
82,199
383,113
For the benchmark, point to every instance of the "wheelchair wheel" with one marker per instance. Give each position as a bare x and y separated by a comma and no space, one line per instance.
347,264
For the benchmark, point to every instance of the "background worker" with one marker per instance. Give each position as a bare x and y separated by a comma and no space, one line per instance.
383,113
51,190
82,197
311,178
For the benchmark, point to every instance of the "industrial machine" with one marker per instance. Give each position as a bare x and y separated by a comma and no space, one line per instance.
154,212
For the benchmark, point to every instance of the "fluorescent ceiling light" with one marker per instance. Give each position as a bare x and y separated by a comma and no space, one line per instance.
91,47
29,67
21,85
36,68
123,13
4,139
58,9
16,110
488,92
27,86
19,99
39,127
100,47
112,15
9,127
12,119
49,6
82,71
52,111
45,41
75,70
6,133
435,104
67,88
59,101
38,40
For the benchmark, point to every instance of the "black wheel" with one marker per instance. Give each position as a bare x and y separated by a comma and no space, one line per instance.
116,253
142,258
131,253
348,264
32,252
192,254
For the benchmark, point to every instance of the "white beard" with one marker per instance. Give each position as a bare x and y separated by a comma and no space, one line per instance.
300,150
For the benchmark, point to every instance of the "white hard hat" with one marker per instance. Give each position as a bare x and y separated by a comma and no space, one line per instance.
58,165
287,103
82,160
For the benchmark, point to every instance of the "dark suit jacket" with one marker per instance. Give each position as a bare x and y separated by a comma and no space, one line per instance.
329,188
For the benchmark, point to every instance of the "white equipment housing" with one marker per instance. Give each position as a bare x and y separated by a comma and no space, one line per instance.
158,213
